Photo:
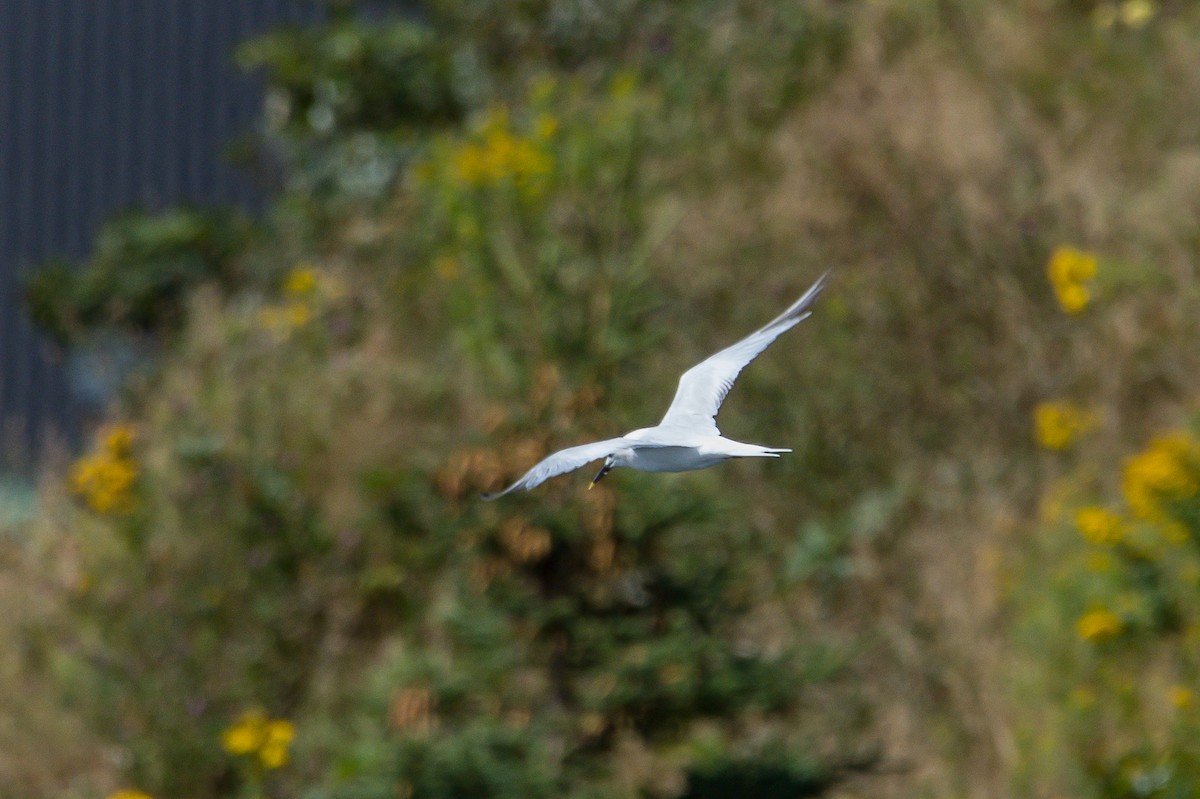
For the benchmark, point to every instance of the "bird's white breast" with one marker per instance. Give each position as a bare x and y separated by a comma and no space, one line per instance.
670,459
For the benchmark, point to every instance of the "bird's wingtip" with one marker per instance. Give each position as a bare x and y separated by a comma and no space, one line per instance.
820,282
491,497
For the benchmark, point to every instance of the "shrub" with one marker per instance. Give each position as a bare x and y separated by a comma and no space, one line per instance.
141,270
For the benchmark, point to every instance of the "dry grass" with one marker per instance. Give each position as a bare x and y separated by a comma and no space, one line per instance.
47,750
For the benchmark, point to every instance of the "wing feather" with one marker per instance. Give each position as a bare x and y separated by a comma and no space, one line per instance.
561,462
702,388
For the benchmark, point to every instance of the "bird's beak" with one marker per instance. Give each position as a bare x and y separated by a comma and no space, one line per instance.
603,471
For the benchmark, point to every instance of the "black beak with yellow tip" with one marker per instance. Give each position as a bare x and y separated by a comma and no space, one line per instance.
605,469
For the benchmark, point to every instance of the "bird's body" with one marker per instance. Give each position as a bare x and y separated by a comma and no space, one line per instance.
687,438
674,449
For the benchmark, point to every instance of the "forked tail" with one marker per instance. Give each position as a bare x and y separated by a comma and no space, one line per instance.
757,451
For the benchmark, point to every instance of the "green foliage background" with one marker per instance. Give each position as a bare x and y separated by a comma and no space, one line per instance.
507,229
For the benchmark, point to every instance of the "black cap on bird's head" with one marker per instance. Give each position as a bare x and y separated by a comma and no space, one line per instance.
608,464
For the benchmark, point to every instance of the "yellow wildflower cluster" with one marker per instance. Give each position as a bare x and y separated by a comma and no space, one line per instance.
1098,624
1130,13
302,289
1057,425
128,793
301,281
1168,469
1071,271
105,479
1100,525
498,155
256,736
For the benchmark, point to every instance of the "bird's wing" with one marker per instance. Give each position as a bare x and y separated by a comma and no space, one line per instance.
561,462
702,388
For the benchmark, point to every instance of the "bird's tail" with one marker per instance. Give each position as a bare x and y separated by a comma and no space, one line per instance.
757,451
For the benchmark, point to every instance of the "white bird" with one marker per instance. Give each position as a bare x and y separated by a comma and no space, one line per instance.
687,437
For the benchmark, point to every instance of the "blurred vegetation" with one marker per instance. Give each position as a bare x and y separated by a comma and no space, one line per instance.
507,228
1108,597
142,268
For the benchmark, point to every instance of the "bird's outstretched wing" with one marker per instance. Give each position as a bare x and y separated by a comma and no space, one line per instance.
561,462
702,388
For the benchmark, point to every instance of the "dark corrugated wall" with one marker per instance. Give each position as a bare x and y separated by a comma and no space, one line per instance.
104,105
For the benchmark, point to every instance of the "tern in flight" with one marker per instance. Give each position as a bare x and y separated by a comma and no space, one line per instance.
687,437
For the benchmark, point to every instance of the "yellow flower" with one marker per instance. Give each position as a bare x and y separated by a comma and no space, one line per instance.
1059,424
281,731
470,165
1071,265
274,751
301,281
129,793
118,439
1181,697
1099,525
1073,297
255,735
1165,470
246,735
1136,13
273,756
498,155
1051,426
1098,624
1069,269
105,482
